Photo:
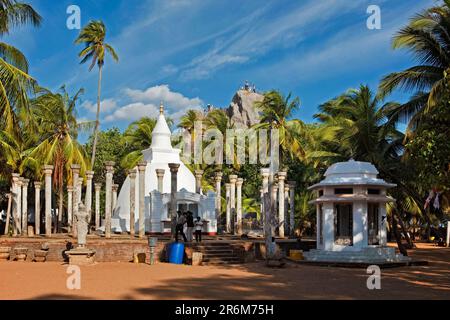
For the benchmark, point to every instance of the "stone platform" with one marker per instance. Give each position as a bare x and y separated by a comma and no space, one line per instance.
121,248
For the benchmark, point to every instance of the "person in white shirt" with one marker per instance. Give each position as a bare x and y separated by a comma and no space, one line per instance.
198,230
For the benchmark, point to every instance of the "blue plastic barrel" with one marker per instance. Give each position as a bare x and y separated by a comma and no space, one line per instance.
176,253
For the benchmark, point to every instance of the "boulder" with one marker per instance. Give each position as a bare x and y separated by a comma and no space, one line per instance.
242,110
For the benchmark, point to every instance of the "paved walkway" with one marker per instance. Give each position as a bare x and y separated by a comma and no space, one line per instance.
251,281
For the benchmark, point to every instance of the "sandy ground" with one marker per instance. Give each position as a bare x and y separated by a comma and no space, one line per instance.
251,281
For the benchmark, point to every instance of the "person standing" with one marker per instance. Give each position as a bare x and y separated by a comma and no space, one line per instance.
190,225
198,230
181,221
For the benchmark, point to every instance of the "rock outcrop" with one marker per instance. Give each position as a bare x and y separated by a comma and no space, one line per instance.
242,110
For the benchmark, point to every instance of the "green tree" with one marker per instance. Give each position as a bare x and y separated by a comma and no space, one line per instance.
93,37
427,38
55,114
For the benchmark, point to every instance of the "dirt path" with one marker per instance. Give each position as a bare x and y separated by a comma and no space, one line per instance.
250,281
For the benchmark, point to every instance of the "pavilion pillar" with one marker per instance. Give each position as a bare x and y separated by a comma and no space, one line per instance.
48,170
88,196
383,224
218,180
69,207
275,198
448,233
37,207
75,176
25,183
160,177
115,188
233,179
109,165
98,187
198,181
239,183
281,217
8,213
228,212
132,176
15,203
173,193
292,185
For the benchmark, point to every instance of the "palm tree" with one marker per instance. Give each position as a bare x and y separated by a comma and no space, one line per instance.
56,116
427,38
15,82
275,113
358,128
93,37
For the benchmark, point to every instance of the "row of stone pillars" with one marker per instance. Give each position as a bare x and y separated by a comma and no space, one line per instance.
283,198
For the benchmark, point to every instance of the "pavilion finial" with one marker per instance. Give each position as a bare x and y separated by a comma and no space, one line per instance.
161,108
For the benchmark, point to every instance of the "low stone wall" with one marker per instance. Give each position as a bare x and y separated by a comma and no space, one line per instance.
106,251
285,246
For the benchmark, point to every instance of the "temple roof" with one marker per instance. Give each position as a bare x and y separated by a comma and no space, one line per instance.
352,173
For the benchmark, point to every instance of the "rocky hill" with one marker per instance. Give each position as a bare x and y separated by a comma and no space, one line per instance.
242,110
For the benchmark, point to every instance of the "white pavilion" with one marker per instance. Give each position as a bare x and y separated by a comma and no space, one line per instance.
351,216
157,203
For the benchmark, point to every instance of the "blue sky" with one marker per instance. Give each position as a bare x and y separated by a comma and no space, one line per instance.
190,53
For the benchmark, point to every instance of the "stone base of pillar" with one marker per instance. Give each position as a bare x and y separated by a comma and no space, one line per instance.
81,256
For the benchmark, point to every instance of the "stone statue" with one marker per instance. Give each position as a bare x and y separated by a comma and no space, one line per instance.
82,220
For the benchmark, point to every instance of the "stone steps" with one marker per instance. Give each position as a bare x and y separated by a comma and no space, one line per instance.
216,253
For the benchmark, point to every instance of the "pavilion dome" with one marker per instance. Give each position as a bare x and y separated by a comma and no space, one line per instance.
352,173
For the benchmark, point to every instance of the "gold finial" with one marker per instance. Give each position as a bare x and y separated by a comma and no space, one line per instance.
161,108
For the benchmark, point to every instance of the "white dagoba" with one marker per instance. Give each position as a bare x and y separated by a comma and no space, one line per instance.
351,216
158,156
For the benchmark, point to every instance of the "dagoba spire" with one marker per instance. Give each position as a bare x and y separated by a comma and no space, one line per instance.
161,108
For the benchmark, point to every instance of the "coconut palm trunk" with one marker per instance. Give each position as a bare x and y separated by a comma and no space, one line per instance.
60,207
97,117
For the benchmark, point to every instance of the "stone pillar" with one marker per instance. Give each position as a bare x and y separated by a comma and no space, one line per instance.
265,172
37,207
228,213
275,196
70,207
108,197
48,170
281,217
88,198
198,181
132,176
115,188
173,190
141,167
25,183
233,179
8,213
239,183
16,205
218,179
292,185
160,176
98,187
75,176
19,206
80,190
286,209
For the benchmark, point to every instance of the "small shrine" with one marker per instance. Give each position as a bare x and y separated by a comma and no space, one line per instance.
351,215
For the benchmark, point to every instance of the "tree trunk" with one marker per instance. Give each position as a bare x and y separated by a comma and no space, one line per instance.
397,236
97,118
405,231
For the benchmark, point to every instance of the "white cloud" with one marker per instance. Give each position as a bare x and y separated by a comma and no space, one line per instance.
163,93
106,106
206,65
145,103
133,111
